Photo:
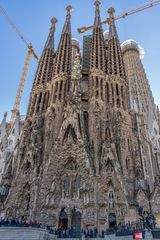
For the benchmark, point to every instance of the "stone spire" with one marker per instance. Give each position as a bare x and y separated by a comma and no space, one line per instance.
45,66
67,25
97,77
3,125
40,95
98,55
112,28
50,40
63,57
115,64
97,21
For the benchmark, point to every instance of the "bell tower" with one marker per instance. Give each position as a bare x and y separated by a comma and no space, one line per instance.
60,83
117,86
97,76
40,94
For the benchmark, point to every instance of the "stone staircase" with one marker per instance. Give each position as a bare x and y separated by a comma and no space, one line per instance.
24,233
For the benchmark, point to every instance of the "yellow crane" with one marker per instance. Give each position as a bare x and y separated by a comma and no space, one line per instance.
30,52
123,15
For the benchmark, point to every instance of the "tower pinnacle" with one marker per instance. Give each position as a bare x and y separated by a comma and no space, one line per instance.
97,3
96,84
112,30
111,12
67,25
97,21
50,40
115,64
63,57
98,55
69,8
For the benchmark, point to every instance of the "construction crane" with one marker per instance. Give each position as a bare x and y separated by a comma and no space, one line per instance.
123,15
26,64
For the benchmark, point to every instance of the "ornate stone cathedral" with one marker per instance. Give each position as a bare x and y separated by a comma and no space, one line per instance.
89,151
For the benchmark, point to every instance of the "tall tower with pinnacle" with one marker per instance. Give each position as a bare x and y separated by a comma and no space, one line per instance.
40,94
97,77
80,161
61,74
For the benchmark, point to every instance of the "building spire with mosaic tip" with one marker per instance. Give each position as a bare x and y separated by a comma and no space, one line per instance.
115,64
63,57
97,77
40,94
117,91
98,56
60,84
47,57
97,21
50,39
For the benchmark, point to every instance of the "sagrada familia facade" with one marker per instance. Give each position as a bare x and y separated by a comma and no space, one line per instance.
89,151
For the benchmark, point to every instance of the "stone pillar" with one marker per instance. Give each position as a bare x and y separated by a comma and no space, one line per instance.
69,214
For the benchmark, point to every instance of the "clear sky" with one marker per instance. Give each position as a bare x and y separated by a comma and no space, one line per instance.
33,19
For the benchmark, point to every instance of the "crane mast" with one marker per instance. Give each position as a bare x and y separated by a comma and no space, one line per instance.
26,65
21,86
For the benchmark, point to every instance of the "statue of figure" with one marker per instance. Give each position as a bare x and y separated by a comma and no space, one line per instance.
74,195
53,186
111,200
51,116
63,194
25,201
73,189
34,135
66,185
124,211
47,199
120,211
96,108
107,154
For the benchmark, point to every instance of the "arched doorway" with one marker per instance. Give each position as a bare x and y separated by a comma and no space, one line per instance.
112,220
76,223
63,219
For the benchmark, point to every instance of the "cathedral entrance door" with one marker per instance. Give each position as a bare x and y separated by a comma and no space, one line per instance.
63,220
76,223
112,220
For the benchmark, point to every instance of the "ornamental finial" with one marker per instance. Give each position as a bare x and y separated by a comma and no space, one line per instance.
97,3
53,24
54,20
97,21
69,8
111,12
50,40
67,25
